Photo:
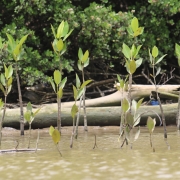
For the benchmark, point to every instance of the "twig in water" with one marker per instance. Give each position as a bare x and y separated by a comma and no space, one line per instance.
95,145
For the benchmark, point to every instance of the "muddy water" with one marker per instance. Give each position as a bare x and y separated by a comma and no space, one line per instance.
107,161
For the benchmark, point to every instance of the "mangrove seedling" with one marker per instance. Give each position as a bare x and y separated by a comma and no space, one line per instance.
5,85
154,62
17,52
177,51
79,92
29,117
59,44
58,85
132,53
151,125
82,63
55,134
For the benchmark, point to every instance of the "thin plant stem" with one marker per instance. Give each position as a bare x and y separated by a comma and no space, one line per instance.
59,114
58,149
37,141
78,117
29,135
84,104
95,144
20,102
2,119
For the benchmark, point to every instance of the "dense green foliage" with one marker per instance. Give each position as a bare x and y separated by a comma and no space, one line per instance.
99,26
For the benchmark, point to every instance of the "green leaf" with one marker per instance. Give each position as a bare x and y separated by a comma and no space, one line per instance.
63,82
51,130
126,51
160,59
65,29
139,103
125,105
151,124
6,72
22,40
11,40
9,89
130,119
64,48
9,82
52,28
132,66
138,62
56,136
60,30
28,116
74,110
137,134
2,88
177,50
67,35
37,111
60,45
75,93
1,104
136,51
155,52
78,82
134,105
3,81
150,57
80,54
85,56
158,70
134,24
121,81
52,83
130,31
85,83
57,77
80,93
86,63
138,31
80,66
10,71
29,107
137,119
60,93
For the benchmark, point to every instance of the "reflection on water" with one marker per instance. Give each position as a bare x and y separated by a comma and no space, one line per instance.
107,161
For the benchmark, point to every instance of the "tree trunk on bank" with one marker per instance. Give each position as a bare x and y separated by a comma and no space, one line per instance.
98,115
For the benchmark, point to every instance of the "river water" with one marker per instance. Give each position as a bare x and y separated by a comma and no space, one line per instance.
106,161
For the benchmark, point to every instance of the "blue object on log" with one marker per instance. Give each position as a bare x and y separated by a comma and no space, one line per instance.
154,103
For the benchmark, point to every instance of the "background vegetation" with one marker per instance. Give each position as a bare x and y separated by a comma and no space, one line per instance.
99,26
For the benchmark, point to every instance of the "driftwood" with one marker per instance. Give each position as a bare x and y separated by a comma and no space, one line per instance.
97,114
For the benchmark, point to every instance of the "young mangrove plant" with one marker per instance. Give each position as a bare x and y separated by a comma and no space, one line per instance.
78,94
29,117
151,125
82,63
59,44
154,62
55,134
58,85
5,85
177,51
17,52
129,120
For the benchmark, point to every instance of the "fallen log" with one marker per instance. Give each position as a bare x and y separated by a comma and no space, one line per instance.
137,92
100,111
97,116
